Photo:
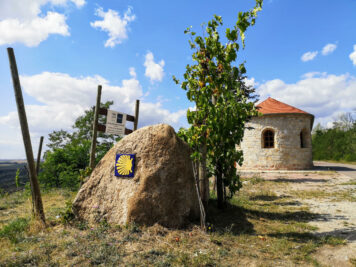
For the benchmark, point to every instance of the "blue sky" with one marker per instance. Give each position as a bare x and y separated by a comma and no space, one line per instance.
299,52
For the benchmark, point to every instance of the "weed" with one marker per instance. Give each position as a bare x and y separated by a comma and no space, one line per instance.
317,194
332,240
81,225
133,228
12,200
328,172
67,214
17,177
104,225
103,253
353,182
15,229
2,192
223,252
24,259
255,179
312,194
353,261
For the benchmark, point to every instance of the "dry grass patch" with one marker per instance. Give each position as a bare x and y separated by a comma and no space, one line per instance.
258,227
341,195
352,182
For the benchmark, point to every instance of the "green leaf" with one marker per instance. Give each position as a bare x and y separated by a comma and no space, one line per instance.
214,73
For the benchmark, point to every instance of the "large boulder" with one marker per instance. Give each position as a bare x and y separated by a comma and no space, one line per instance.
161,191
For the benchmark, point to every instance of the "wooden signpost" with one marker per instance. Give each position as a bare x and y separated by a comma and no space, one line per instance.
35,189
104,111
95,129
115,123
39,156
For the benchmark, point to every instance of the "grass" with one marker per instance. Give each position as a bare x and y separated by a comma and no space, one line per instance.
340,161
258,227
353,261
353,182
345,195
253,180
327,173
14,230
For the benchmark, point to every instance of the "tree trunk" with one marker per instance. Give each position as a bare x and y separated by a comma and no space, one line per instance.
207,187
224,190
214,185
203,180
201,206
220,190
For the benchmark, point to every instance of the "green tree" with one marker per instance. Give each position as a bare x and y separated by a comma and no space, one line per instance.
336,143
223,102
68,154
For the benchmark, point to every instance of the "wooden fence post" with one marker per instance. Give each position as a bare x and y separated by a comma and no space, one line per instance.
35,189
39,156
137,109
95,129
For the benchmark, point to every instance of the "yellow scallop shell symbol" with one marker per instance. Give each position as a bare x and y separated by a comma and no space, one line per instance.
124,165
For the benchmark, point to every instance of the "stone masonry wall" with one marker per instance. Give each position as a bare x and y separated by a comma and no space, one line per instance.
287,153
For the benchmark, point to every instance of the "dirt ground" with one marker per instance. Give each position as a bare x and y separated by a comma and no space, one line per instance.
331,196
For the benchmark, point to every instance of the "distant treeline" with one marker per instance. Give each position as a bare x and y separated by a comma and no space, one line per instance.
337,143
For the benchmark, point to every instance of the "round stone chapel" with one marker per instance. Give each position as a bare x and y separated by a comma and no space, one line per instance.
279,139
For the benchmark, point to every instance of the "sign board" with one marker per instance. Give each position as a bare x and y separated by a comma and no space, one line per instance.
115,122
125,165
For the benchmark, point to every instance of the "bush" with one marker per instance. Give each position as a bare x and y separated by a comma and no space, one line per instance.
68,158
62,165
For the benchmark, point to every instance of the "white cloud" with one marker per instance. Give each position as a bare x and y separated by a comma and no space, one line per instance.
352,56
154,71
133,72
115,25
309,56
59,88
312,74
328,49
251,82
324,95
23,22
30,9
33,32
154,113
63,98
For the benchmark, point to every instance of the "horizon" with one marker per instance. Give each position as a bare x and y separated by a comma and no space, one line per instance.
295,53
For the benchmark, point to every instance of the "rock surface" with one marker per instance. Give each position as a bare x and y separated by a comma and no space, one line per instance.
161,191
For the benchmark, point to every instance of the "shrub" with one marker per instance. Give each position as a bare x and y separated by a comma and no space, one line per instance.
67,214
68,158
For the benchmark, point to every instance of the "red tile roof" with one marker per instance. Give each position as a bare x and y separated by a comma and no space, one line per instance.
273,106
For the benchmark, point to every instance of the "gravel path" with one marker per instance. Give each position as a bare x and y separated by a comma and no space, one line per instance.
330,193
346,169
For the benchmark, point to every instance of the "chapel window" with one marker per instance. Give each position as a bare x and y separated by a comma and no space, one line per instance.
268,139
303,141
